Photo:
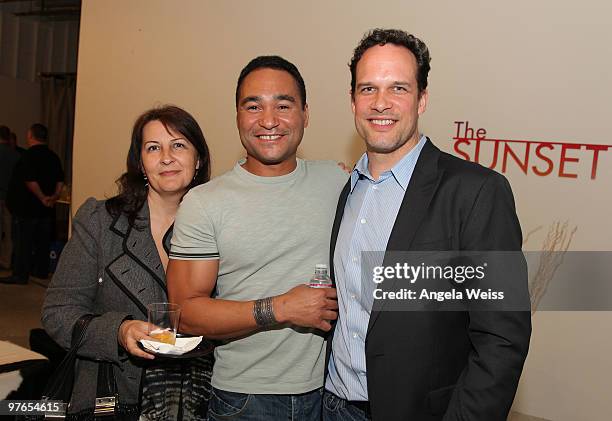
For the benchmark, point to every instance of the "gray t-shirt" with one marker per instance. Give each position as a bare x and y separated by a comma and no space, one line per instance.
268,234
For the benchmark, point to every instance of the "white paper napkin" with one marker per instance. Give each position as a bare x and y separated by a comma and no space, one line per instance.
181,346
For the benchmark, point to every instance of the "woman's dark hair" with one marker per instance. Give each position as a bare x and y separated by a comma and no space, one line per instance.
132,185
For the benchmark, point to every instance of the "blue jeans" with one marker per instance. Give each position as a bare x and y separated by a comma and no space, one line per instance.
338,409
225,405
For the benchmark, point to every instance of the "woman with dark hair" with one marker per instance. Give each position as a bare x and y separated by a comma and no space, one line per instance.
114,265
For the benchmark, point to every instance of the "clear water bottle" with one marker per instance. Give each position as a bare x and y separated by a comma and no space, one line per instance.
320,279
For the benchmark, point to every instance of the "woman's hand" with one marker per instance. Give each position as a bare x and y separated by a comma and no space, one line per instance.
130,332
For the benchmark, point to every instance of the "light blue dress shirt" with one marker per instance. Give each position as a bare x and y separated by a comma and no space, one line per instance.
369,216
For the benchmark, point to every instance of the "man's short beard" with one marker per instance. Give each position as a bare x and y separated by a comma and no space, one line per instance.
384,149
267,161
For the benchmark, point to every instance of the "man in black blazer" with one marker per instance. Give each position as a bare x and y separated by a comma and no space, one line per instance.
406,195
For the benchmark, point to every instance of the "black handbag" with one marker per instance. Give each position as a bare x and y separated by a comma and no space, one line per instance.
60,386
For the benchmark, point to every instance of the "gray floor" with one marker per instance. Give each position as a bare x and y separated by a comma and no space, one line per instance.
516,416
20,309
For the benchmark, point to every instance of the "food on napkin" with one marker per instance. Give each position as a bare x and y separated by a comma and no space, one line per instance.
181,346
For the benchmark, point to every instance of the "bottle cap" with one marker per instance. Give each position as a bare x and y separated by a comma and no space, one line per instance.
320,266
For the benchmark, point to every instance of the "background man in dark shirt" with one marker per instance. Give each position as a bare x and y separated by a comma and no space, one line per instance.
14,144
8,160
34,188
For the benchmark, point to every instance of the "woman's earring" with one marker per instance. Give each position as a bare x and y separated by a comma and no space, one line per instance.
146,180
195,174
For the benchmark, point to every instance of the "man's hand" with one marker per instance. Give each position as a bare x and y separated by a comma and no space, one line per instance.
345,167
48,201
307,307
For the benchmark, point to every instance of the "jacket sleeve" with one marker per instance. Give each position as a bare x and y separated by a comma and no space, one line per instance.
72,291
500,339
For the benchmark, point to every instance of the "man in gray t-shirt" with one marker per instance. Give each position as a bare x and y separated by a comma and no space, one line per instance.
245,244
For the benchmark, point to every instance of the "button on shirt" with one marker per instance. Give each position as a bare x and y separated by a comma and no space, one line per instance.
369,216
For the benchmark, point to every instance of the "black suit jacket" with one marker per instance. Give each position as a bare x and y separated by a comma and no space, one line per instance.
446,365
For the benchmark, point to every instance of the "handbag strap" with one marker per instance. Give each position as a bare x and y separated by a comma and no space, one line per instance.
60,385
106,392
107,385
79,329
62,382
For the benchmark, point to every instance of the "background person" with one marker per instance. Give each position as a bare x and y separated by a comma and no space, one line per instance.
34,188
114,265
8,160
15,145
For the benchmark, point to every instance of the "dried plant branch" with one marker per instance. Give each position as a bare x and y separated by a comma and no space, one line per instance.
555,246
530,233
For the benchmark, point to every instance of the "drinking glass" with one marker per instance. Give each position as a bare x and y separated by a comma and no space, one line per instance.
163,321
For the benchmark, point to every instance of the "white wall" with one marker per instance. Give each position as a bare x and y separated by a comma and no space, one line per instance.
522,70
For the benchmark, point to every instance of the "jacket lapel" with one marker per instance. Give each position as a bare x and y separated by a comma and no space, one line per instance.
423,184
140,246
138,271
336,227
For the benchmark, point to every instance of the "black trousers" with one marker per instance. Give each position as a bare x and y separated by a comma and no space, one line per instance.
31,243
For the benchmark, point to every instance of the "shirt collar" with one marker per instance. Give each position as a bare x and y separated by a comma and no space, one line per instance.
402,171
